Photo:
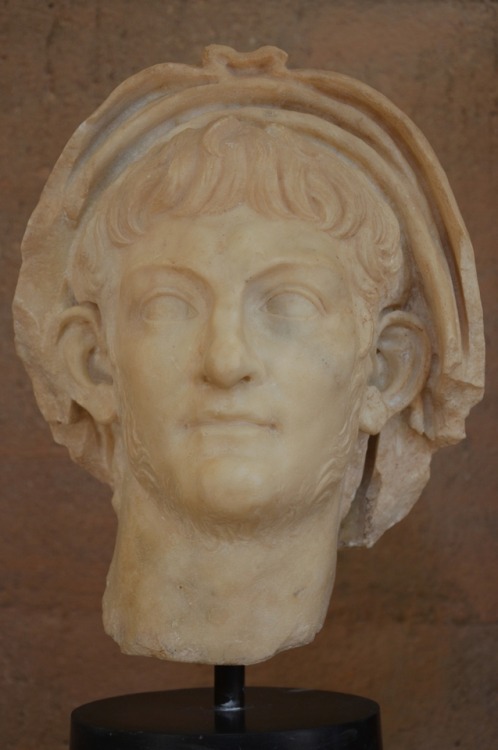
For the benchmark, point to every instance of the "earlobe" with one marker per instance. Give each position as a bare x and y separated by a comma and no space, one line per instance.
373,414
84,359
399,371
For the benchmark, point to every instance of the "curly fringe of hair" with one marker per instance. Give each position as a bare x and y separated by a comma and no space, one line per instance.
275,171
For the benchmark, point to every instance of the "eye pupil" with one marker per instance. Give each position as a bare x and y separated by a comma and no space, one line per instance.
167,307
291,305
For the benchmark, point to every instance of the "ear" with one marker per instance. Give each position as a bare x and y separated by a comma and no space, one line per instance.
399,371
80,345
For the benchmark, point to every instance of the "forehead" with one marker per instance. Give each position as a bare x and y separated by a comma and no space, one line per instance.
237,244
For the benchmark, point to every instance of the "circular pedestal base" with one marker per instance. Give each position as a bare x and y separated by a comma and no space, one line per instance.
272,719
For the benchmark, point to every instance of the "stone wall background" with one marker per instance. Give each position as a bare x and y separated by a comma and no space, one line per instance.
413,622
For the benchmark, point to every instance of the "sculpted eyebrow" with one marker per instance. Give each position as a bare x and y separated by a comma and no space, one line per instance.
142,276
301,271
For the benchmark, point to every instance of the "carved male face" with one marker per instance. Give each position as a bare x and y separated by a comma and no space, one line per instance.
237,358
241,329
217,297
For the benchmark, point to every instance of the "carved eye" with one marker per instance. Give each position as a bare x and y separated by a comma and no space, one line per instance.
167,306
292,305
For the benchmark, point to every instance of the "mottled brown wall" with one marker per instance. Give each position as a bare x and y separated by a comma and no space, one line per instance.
413,621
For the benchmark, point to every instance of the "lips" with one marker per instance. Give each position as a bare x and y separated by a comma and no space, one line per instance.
231,420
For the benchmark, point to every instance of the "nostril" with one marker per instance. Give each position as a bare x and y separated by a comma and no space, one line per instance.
228,360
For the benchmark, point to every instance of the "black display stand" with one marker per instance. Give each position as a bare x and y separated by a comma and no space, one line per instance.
238,719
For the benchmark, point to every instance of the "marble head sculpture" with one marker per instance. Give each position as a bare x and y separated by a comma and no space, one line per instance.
248,302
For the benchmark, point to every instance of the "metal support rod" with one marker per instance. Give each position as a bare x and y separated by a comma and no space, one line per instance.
229,687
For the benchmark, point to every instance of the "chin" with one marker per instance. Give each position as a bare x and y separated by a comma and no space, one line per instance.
230,497
236,495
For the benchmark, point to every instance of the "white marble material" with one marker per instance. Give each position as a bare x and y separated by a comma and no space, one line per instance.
238,276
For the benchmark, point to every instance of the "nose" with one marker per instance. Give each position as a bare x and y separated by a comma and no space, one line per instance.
228,358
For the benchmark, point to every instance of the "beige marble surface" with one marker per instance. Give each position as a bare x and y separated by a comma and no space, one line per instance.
248,302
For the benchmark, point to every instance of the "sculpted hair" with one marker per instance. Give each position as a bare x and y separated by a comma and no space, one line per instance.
273,170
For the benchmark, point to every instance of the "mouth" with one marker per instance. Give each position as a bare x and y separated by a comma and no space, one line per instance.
231,421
